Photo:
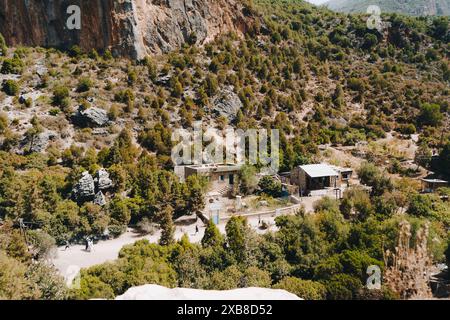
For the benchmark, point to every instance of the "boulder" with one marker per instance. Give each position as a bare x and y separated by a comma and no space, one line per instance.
85,188
102,180
22,99
263,203
227,104
163,80
38,143
100,199
91,117
41,70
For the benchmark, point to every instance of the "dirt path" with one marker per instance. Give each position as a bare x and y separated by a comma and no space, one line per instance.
77,257
108,250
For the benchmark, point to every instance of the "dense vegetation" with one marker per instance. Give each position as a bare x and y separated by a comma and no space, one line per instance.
320,256
408,7
317,76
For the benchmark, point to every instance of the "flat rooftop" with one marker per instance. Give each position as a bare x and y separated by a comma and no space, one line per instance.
342,169
215,167
434,181
319,170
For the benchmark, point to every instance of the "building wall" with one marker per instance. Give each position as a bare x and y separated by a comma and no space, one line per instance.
338,181
214,177
216,181
298,177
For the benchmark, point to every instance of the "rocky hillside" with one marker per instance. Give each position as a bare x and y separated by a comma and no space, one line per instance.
85,143
127,27
409,7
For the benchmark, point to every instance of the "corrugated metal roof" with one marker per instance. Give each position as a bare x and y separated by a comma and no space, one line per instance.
434,181
319,170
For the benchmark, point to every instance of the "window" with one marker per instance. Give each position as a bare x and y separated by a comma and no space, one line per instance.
346,176
222,178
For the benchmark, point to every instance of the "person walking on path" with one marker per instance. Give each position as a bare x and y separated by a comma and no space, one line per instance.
196,229
67,245
91,245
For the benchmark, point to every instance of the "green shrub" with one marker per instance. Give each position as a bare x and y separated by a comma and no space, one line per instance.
14,66
447,255
107,55
356,84
11,87
124,96
84,85
343,287
430,115
60,96
407,129
54,112
305,289
75,51
270,186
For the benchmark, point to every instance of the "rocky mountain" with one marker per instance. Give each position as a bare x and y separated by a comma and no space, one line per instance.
408,7
127,27
86,145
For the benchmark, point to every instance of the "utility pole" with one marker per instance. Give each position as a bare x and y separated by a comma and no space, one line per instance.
22,230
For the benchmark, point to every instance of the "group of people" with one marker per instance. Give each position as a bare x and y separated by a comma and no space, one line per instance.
89,244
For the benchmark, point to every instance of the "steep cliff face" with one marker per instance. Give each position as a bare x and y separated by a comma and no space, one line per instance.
127,27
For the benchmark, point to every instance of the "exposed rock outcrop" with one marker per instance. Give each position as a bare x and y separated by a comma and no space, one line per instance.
38,143
227,104
128,27
102,180
89,188
91,117
100,199
85,188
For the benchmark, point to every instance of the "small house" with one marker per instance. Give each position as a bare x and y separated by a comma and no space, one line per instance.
314,177
220,176
431,185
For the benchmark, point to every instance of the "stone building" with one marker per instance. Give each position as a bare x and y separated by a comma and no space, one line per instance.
319,177
220,176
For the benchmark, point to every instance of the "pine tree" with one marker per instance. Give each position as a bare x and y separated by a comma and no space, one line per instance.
212,236
167,226
236,230
195,197
123,150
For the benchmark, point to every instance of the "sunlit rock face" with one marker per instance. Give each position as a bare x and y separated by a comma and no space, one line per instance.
127,27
